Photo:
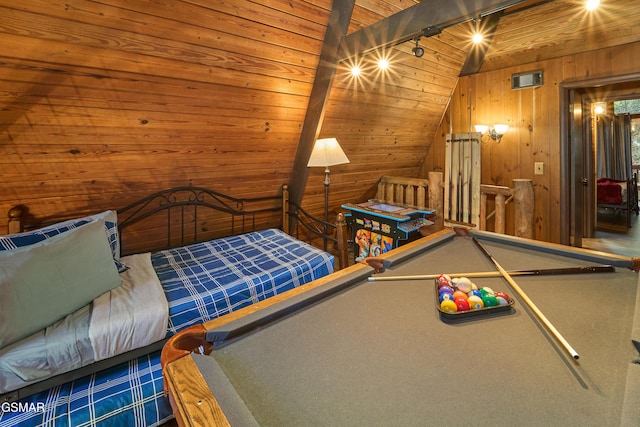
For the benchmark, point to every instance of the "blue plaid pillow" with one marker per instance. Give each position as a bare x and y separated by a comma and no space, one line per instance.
13,241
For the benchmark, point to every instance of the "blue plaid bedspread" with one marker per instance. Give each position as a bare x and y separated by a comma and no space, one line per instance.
201,281
130,394
207,280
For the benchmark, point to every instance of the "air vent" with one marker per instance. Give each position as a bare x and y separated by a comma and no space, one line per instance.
525,80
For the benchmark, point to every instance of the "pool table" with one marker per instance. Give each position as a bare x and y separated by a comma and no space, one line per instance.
347,350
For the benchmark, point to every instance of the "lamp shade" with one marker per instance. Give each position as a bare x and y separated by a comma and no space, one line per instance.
501,129
327,152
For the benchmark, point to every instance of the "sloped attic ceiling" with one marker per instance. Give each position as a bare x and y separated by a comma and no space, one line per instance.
105,101
386,121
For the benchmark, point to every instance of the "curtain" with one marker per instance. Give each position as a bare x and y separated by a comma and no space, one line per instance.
614,147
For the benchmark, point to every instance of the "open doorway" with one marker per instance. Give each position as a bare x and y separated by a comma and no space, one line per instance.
614,136
579,221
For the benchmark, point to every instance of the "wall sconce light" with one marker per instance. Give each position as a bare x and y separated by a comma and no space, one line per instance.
495,132
599,108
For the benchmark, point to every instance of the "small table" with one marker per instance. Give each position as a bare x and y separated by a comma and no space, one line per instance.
343,350
377,227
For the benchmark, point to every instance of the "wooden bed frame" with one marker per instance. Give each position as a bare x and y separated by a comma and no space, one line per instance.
181,216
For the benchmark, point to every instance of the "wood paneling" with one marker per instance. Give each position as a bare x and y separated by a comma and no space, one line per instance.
534,118
102,102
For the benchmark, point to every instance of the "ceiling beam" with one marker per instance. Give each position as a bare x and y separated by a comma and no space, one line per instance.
476,55
339,19
425,18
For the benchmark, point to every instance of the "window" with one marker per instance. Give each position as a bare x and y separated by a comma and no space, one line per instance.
632,107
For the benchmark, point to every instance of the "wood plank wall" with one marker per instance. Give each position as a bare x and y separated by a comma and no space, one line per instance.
534,118
104,102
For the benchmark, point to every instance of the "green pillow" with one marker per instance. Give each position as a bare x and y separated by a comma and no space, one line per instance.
44,282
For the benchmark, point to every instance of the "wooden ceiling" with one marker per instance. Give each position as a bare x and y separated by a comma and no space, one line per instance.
529,31
540,30
386,122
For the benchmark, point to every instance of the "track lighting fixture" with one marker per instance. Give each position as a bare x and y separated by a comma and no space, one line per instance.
418,51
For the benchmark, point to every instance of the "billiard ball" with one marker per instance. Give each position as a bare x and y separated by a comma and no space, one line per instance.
444,278
446,296
489,290
449,306
464,284
489,300
464,287
504,296
445,289
502,301
462,304
475,292
475,302
460,294
483,292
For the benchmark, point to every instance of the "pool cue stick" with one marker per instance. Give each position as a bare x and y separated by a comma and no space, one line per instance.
464,159
528,301
460,216
450,157
480,274
467,168
454,181
450,204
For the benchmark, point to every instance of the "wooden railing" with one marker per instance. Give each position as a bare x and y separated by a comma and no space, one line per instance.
428,193
522,197
419,192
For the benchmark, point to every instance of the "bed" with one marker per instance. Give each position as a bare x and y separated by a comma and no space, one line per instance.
621,196
99,361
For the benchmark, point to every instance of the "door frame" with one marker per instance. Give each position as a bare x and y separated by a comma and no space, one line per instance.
577,203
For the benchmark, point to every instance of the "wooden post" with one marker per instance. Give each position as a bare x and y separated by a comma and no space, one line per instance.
389,193
408,196
523,197
500,213
341,238
15,220
483,211
285,209
420,195
435,192
337,27
380,190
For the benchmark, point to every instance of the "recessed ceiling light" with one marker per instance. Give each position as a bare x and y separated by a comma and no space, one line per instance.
593,4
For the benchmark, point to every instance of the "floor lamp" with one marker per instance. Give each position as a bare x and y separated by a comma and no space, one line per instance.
327,152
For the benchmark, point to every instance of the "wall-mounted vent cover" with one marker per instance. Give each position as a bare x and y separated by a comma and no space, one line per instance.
524,80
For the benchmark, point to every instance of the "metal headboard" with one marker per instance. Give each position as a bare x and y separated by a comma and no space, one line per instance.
177,202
